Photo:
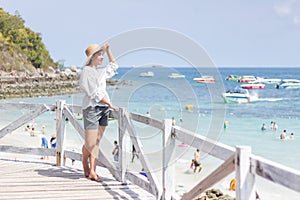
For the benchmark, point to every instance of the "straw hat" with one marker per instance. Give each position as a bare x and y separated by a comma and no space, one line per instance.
90,51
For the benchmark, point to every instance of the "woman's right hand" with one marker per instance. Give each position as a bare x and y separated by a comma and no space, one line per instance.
105,46
113,107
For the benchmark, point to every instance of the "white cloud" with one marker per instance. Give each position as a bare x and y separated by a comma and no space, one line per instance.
289,9
282,9
296,20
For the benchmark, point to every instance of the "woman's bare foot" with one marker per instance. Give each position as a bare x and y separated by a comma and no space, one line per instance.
95,177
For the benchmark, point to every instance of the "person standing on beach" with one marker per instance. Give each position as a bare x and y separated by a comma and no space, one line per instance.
44,144
96,104
53,141
134,154
115,151
197,161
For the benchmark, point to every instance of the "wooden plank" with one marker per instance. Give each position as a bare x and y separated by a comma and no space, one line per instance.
24,106
276,173
27,150
50,182
207,145
168,167
122,145
245,177
216,176
147,120
23,120
139,181
60,132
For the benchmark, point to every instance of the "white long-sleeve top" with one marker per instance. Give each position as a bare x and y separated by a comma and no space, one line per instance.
93,83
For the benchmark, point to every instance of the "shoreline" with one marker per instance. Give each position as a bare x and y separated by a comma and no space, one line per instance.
43,85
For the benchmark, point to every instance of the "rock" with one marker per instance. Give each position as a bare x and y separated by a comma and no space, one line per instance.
216,194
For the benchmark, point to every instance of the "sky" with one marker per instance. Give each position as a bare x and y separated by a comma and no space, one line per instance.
233,33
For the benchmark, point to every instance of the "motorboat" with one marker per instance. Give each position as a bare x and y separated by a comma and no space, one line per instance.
233,78
176,75
205,79
289,84
253,86
147,74
238,95
267,80
246,79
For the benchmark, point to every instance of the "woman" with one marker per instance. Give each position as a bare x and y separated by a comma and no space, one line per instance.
96,104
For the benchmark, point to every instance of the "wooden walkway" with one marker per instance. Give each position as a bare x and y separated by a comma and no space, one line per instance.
41,180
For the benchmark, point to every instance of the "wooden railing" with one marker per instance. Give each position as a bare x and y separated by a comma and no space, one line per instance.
246,165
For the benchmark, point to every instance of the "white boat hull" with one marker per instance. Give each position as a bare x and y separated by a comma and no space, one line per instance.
237,96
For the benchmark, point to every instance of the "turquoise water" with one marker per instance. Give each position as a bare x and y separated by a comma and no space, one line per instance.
164,98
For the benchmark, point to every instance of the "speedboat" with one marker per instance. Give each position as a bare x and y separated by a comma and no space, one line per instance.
267,80
147,74
247,79
289,84
205,79
176,75
253,86
238,95
233,78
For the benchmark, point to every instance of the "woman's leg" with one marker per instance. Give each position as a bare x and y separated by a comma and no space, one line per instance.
90,150
93,159
85,156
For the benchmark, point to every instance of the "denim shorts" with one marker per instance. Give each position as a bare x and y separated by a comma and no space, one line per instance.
95,116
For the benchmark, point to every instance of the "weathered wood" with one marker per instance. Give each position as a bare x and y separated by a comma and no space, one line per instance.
168,169
61,132
139,180
73,155
24,106
245,177
27,150
216,176
147,120
37,180
207,145
155,186
122,145
276,173
23,119
72,119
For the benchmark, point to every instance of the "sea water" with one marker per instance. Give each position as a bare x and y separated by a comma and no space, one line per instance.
197,107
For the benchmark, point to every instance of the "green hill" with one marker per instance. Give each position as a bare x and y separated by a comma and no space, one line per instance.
21,49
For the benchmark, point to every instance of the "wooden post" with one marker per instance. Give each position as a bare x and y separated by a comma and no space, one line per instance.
122,146
245,177
168,175
60,132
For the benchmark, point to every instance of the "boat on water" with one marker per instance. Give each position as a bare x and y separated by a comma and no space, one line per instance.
267,80
288,84
246,79
237,95
176,75
147,74
253,86
205,79
233,78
